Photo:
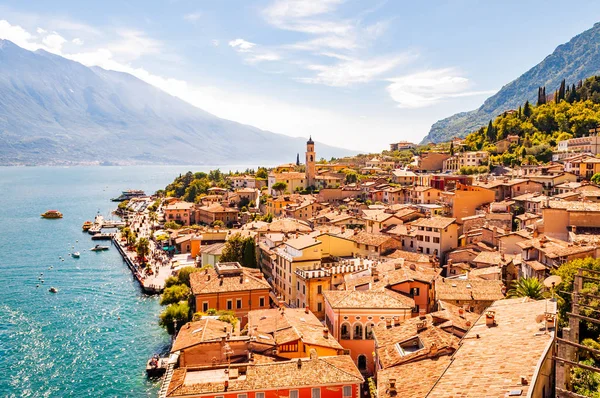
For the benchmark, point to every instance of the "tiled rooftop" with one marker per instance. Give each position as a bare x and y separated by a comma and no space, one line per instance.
460,289
208,281
204,330
374,298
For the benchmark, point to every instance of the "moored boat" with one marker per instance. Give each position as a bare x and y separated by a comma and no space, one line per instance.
75,255
52,214
102,236
87,225
98,248
130,193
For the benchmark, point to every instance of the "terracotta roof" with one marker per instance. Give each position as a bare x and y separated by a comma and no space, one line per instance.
214,249
290,325
287,225
492,360
179,206
412,380
574,205
371,239
460,289
434,222
204,330
302,242
374,298
208,281
335,370
553,248
217,208
491,258
409,256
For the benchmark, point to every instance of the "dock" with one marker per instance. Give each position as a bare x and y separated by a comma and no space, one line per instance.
148,285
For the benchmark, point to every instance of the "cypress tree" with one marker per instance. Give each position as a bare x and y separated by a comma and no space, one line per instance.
519,112
561,91
556,97
526,109
452,148
544,93
297,159
540,101
491,134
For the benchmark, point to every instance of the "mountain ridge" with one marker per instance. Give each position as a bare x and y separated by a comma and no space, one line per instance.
575,60
57,111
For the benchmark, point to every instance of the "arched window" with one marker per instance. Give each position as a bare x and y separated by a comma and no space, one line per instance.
358,331
362,362
369,331
345,331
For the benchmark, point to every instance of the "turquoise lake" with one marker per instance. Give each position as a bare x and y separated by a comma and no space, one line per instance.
94,336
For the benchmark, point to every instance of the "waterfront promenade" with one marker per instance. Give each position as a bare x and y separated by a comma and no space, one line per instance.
152,279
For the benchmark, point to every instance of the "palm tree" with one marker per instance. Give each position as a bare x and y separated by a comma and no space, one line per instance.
527,287
142,247
153,217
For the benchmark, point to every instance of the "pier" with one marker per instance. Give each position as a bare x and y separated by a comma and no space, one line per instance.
150,284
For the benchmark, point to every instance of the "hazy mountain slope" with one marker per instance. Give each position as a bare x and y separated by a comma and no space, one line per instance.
54,110
573,61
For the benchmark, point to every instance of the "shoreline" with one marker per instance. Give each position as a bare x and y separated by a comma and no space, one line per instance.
150,290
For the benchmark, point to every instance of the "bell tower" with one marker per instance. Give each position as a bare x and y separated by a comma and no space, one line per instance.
310,163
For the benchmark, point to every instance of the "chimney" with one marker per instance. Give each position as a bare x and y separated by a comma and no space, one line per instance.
242,278
524,381
208,277
392,388
490,318
461,311
421,326
325,333
388,323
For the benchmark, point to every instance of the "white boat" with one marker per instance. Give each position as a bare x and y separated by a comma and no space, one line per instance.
98,248
75,255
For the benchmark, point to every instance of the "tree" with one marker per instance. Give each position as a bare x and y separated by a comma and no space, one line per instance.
218,224
172,225
279,187
153,217
452,148
249,258
233,251
527,109
178,312
142,247
561,91
527,287
262,173
595,178
297,159
490,132
175,294
184,275
129,235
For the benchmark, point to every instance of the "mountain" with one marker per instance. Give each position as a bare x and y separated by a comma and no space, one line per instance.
573,61
57,111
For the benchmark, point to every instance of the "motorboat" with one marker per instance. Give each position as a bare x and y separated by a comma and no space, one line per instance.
102,236
75,255
53,290
52,214
99,248
87,225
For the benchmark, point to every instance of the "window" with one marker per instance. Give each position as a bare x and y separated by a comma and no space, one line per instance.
415,291
229,304
316,393
319,289
362,362
427,239
261,302
347,391
204,306
358,332
260,395
238,304
436,239
369,331
415,309
293,393
427,250
345,331
242,395
319,307
409,346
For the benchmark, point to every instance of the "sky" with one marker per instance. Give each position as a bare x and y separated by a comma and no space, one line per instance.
353,74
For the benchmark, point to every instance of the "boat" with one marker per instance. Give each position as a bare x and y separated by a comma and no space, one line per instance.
52,214
102,236
99,248
87,225
130,193
156,366
53,290
75,255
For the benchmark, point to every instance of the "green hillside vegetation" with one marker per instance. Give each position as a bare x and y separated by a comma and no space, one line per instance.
571,112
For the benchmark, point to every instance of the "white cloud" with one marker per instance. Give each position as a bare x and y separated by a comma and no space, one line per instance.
285,9
241,45
427,88
133,44
17,35
192,17
352,71
54,42
77,41
40,31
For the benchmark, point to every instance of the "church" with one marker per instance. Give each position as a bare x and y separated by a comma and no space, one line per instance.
295,180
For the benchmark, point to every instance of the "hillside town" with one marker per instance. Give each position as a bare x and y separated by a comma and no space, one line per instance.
366,277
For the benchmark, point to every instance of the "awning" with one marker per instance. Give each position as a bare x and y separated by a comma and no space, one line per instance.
168,248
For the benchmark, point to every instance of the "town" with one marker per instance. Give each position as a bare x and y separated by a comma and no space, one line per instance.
369,277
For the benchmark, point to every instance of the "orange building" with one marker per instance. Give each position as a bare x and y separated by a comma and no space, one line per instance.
229,286
180,212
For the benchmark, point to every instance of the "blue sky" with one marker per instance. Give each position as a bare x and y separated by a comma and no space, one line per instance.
355,74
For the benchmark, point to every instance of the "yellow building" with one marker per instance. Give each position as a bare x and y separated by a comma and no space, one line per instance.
465,199
301,252
589,167
277,205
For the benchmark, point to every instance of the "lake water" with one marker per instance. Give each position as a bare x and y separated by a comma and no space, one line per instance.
92,338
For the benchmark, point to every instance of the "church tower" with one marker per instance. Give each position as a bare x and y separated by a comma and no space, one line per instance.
310,163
